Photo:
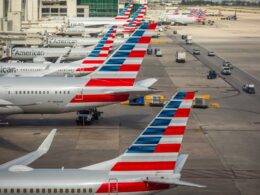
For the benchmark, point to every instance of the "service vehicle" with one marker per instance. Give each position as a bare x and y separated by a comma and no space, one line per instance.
226,71
158,53
196,51
211,53
212,74
249,88
180,56
200,103
228,64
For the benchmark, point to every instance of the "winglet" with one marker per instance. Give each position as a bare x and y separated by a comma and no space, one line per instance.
45,146
180,162
23,161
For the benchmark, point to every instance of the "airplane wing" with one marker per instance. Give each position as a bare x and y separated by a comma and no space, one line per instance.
32,156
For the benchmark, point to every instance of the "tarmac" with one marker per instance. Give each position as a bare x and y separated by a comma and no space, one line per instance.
222,143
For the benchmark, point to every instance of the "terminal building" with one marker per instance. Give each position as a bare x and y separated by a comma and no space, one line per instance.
13,12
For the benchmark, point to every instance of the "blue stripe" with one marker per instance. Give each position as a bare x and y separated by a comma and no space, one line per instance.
133,40
174,104
126,47
148,140
115,61
154,131
167,113
138,33
121,54
161,122
93,55
110,68
141,149
180,95
144,26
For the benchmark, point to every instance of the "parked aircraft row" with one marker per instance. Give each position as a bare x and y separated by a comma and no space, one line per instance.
183,19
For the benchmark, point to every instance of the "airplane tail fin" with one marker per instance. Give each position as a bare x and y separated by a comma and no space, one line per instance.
99,54
122,67
156,150
125,13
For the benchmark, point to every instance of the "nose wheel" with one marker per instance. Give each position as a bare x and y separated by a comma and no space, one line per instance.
86,117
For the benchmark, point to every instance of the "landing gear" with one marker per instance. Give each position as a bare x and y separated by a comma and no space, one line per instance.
86,117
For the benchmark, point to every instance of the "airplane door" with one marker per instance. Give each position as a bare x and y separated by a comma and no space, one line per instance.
113,186
79,95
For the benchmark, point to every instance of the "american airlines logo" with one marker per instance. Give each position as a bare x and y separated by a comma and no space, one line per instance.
7,70
63,41
17,52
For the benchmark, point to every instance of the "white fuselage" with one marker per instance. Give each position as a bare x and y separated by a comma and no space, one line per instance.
28,54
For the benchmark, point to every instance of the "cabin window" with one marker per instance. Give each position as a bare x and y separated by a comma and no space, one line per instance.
90,190
31,190
18,190
72,191
47,92
49,190
56,92
37,190
20,92
43,92
60,92
84,190
66,190
55,190
40,92
24,92
35,92
24,191
43,190
61,190
28,92
78,190
15,92
5,190
12,190
9,92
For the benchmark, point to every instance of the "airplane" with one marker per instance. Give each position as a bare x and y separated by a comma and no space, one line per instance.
112,82
185,19
43,54
76,68
152,163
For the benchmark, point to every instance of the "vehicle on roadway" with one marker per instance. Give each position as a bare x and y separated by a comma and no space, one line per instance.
114,81
228,64
180,56
152,163
226,71
211,53
196,51
249,88
212,74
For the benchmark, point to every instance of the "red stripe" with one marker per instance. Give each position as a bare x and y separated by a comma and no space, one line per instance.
100,98
86,69
108,82
93,61
144,40
152,26
130,67
137,54
105,48
103,55
131,187
143,166
182,112
109,42
175,130
189,95
161,148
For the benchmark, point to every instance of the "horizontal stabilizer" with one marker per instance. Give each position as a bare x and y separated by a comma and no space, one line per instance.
171,181
32,156
147,82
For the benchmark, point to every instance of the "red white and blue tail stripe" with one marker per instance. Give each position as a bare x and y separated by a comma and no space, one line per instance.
125,13
135,20
122,67
157,148
99,54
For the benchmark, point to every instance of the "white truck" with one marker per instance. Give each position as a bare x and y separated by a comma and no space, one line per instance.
189,40
180,56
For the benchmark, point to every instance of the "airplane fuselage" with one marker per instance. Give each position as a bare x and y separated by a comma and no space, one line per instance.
50,95
75,181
